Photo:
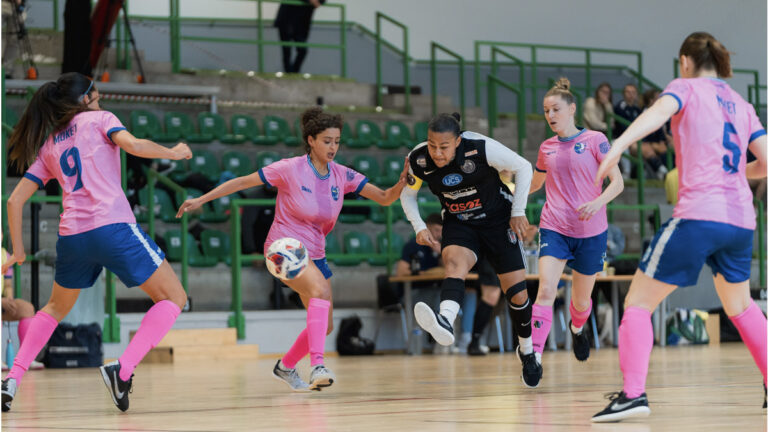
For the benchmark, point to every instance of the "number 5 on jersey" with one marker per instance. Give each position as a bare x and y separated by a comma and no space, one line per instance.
73,170
730,165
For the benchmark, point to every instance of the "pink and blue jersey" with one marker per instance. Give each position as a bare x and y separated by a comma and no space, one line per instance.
571,165
85,161
308,204
712,129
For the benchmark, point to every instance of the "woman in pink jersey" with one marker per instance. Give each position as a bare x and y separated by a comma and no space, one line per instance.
64,135
713,221
574,224
310,194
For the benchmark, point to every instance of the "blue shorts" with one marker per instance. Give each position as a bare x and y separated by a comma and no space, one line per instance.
124,249
682,246
585,255
322,265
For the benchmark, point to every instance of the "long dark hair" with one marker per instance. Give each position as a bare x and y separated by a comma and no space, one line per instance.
314,121
52,107
707,53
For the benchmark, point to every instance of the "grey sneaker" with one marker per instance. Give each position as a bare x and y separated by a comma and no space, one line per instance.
290,377
320,377
9,391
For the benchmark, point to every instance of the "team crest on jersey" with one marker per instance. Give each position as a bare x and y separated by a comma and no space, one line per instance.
335,193
421,161
410,179
468,167
350,175
604,147
470,153
452,179
579,148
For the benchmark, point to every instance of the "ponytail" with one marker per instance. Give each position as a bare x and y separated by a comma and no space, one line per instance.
52,107
707,53
561,88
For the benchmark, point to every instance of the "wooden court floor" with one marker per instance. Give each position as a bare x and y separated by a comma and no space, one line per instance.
690,389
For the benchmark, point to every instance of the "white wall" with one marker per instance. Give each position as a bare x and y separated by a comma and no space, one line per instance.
655,27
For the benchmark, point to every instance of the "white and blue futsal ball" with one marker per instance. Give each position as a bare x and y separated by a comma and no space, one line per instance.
286,258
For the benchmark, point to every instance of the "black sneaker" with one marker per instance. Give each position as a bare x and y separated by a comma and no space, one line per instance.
434,324
580,343
622,407
9,391
117,388
532,370
474,349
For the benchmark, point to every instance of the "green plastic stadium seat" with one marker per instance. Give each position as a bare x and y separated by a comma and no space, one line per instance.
145,125
355,243
11,118
381,247
346,134
427,197
393,166
216,244
237,163
163,206
368,134
213,124
379,214
397,135
351,218
351,141
217,210
420,132
179,123
204,162
246,125
277,127
173,250
265,158
332,246
368,166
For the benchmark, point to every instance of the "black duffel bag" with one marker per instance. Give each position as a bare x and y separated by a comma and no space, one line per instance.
73,346
348,340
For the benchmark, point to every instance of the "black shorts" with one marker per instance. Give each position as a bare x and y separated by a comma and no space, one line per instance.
496,243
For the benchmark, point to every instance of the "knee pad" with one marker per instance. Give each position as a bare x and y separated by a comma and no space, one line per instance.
514,290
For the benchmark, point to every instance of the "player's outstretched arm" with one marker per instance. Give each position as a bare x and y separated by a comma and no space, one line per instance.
148,149
386,197
757,168
224,189
21,194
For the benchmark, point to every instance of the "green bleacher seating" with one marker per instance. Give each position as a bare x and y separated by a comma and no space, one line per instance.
163,206
173,250
397,135
265,158
379,214
332,245
246,125
237,163
381,247
367,131
368,166
204,162
420,130
179,123
355,242
145,125
391,169
277,127
213,124
216,244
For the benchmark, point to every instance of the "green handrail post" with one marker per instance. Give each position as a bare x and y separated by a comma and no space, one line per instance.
588,62
389,237
343,33
493,81
152,177
406,60
640,72
112,321
260,35
56,15
521,123
236,319
434,47
173,19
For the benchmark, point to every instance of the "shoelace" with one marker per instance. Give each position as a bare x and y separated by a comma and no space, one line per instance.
612,396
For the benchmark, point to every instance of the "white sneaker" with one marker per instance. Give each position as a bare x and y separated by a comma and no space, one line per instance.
320,377
434,324
36,365
290,377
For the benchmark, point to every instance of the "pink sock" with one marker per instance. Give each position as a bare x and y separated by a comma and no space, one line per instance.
317,326
635,344
40,330
298,350
578,318
752,327
24,324
155,324
542,321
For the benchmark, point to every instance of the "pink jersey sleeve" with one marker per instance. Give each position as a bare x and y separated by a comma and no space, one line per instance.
756,129
680,89
111,124
601,147
274,174
354,181
541,165
38,172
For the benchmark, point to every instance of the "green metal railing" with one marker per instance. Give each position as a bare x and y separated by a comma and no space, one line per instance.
534,50
639,163
521,123
434,48
237,319
404,53
152,177
753,98
493,114
175,19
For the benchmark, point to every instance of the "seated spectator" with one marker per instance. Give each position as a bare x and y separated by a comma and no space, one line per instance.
417,258
655,144
16,309
597,108
627,109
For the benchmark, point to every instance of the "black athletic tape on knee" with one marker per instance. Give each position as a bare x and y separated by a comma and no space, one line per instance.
514,290
452,289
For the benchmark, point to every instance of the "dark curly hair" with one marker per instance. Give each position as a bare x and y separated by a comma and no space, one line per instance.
314,121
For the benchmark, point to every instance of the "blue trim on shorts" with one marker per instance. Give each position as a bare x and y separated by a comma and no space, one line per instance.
585,255
361,185
124,249
679,102
34,179
113,130
756,135
264,179
322,265
682,246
